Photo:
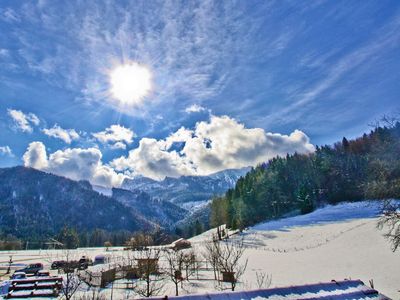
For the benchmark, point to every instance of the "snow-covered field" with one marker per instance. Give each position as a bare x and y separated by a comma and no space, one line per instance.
332,243
335,242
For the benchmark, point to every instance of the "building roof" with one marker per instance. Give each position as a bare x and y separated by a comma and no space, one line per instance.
335,290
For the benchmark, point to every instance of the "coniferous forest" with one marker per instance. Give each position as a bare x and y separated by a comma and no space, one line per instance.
367,167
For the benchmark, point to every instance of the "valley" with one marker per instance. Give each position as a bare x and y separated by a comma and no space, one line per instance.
332,243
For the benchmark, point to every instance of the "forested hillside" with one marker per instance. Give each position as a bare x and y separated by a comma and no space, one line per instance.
364,168
35,206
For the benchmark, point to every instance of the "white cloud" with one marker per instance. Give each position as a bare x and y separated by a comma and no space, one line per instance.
22,121
152,159
116,135
194,108
74,163
222,143
6,151
36,156
67,135
214,145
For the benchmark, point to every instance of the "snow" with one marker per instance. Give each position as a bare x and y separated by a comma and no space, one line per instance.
329,214
335,242
194,205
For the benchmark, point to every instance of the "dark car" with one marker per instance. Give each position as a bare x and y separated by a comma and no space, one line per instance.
65,266
70,266
31,268
84,263
58,264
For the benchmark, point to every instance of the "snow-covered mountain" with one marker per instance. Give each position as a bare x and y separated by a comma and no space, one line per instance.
187,189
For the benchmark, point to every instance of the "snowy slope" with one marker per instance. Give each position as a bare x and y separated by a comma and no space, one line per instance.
335,242
328,214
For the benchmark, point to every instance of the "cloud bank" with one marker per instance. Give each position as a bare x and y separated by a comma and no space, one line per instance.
211,146
222,143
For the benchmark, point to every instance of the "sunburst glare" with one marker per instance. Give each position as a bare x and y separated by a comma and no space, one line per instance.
130,83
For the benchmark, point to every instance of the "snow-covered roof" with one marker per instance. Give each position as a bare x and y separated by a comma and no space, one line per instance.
335,290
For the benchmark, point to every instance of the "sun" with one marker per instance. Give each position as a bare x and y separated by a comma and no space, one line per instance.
130,83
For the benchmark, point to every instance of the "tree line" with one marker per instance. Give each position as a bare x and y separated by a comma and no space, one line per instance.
71,238
367,167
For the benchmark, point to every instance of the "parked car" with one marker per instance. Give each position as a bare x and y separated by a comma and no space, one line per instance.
70,266
101,259
84,263
31,268
18,275
58,264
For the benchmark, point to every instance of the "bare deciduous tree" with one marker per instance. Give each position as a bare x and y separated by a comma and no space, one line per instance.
390,220
229,260
175,260
263,280
189,262
71,280
150,283
211,255
140,241
92,281
225,257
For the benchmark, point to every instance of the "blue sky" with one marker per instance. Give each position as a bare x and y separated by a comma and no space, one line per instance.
282,76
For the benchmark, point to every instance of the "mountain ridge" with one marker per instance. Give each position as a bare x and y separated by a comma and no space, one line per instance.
186,189
36,205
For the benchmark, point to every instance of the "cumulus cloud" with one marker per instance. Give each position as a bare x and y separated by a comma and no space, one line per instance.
36,156
6,151
74,163
194,108
222,143
67,135
116,136
152,159
22,121
211,146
